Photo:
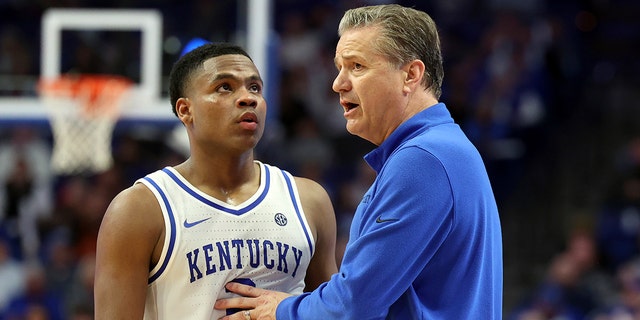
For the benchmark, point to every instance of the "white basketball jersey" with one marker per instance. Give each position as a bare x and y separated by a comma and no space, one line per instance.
265,242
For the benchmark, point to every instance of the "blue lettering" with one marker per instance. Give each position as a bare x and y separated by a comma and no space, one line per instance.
238,244
254,263
192,265
267,264
211,268
255,247
297,254
224,254
282,257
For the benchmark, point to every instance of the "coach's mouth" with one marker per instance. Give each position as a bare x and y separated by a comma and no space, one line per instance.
348,106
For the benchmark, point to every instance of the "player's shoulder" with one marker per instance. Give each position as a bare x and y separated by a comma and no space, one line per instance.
312,194
309,186
306,182
137,199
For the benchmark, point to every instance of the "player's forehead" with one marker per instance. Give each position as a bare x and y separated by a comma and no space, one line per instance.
232,64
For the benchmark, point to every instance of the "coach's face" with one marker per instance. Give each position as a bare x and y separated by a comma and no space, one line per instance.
224,106
370,87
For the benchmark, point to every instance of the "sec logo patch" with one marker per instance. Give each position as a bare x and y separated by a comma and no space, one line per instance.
280,219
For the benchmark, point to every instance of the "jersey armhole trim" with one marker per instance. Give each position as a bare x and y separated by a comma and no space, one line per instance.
296,206
172,233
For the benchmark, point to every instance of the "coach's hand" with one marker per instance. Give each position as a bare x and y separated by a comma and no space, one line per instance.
258,304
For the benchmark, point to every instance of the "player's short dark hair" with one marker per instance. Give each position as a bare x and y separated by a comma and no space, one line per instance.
188,64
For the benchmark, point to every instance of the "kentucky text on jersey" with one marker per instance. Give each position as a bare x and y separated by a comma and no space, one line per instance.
229,254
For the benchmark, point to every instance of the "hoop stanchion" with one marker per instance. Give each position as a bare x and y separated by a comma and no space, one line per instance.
83,111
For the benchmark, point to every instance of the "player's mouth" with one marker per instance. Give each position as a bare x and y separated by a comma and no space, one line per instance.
249,120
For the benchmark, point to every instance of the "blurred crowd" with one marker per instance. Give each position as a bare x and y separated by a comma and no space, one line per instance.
544,89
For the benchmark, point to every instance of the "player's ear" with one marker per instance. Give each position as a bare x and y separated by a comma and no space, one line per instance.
414,72
183,109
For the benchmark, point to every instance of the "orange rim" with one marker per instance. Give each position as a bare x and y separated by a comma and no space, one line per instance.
96,93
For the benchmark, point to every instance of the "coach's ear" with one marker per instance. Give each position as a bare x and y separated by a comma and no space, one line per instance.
414,72
183,109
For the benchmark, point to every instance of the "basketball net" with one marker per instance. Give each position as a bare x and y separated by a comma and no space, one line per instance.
82,110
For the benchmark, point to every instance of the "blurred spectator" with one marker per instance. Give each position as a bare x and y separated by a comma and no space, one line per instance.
508,97
572,287
37,301
138,151
79,297
88,218
627,299
300,43
628,159
310,153
292,104
618,223
12,276
322,102
60,261
25,190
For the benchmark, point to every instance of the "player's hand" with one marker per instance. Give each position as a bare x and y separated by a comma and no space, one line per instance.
258,304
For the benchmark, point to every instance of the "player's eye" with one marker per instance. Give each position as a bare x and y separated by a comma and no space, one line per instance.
255,88
224,87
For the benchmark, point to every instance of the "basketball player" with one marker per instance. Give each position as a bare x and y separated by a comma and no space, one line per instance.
169,243
425,241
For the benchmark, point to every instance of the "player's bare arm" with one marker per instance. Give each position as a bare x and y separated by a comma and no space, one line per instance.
319,211
129,244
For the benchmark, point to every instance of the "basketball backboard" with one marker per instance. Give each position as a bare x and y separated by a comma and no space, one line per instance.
141,56
144,24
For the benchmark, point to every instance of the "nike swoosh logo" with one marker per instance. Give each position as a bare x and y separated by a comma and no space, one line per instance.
380,220
188,224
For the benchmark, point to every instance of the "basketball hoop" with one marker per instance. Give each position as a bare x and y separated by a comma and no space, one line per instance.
82,110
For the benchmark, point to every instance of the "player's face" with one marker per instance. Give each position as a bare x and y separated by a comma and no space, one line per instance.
370,87
226,103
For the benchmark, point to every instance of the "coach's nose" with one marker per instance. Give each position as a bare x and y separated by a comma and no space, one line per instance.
341,83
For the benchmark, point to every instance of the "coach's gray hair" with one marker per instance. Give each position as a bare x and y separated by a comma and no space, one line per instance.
406,34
